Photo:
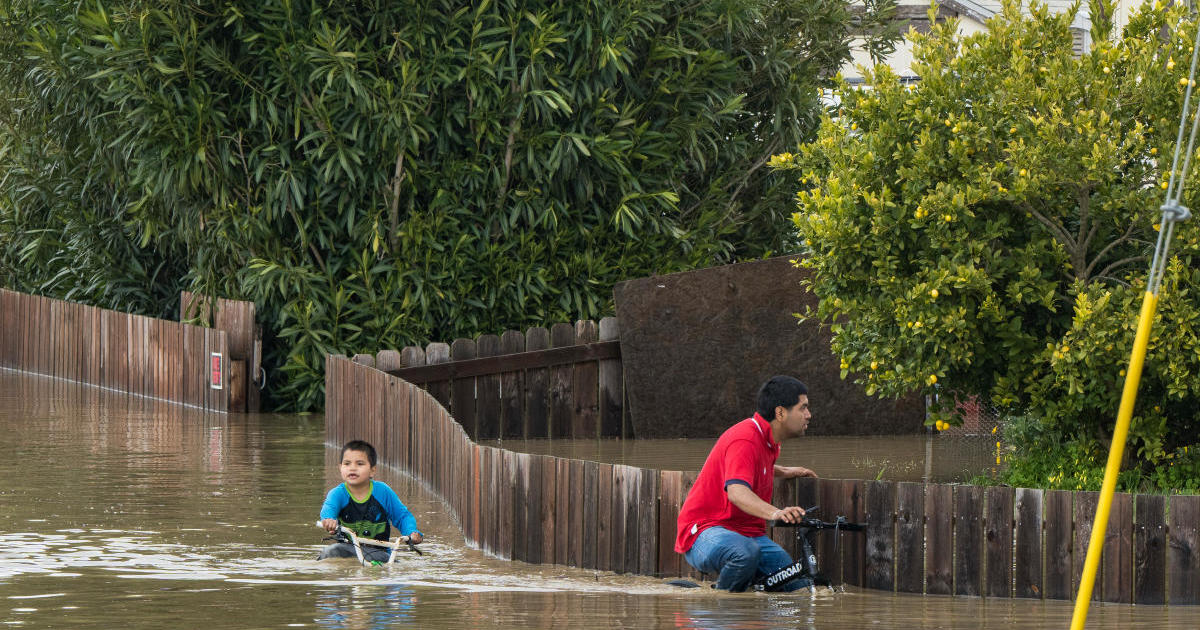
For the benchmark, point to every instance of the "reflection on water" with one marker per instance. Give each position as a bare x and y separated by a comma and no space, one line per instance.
121,513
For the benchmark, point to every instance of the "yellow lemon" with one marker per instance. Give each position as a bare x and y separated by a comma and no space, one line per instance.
933,379
933,294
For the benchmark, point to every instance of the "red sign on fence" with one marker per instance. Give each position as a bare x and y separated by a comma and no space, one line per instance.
215,381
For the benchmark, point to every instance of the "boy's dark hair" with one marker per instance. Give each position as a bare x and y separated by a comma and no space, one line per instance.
359,445
779,391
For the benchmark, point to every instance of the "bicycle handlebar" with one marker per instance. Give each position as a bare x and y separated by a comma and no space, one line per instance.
813,523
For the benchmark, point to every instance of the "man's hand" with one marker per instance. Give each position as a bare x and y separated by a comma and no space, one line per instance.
789,514
415,538
330,525
791,472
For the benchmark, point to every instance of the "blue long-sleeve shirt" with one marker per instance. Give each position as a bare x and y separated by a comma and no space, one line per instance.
369,518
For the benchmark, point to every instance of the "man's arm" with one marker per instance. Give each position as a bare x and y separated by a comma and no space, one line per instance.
788,472
745,500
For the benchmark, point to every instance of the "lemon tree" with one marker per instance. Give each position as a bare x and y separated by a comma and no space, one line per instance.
981,232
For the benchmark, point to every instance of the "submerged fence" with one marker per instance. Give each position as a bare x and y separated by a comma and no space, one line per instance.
130,353
921,538
559,382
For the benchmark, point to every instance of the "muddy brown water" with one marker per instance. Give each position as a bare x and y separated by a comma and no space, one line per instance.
930,457
117,512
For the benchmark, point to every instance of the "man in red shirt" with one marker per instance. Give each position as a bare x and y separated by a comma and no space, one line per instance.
722,528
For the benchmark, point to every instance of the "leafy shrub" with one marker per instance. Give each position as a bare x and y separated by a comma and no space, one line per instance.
376,174
984,230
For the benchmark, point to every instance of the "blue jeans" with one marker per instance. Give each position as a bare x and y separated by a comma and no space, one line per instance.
739,560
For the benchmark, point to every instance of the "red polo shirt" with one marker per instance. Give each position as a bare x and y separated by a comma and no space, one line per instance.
746,452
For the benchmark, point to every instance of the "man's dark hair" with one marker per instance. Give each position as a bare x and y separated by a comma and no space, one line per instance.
359,445
780,391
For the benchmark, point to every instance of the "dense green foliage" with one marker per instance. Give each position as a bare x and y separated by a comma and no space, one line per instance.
984,232
374,174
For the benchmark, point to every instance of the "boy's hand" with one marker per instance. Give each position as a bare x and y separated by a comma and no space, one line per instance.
330,525
415,538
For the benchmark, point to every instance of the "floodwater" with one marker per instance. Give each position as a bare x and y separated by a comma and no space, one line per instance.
929,457
117,512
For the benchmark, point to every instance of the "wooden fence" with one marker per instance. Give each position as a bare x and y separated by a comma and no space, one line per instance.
130,353
921,538
244,338
559,382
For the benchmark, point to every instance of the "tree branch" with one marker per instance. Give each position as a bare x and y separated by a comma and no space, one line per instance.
1104,273
513,128
771,148
1057,230
1124,238
394,209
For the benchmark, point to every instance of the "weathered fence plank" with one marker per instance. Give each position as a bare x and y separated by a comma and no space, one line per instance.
619,535
1183,550
1027,538
968,540
1058,544
910,535
853,544
590,501
1150,550
585,386
462,390
1117,557
436,353
487,404
881,530
562,399
550,506
669,500
611,385
562,541
998,542
537,401
512,386
523,504
506,533
647,522
1084,511
939,539
826,543
604,517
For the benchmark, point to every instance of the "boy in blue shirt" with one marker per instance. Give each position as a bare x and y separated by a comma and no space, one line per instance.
364,506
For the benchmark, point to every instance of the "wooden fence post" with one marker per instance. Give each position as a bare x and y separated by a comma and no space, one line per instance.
562,399
487,392
537,384
1027,536
1183,550
881,532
